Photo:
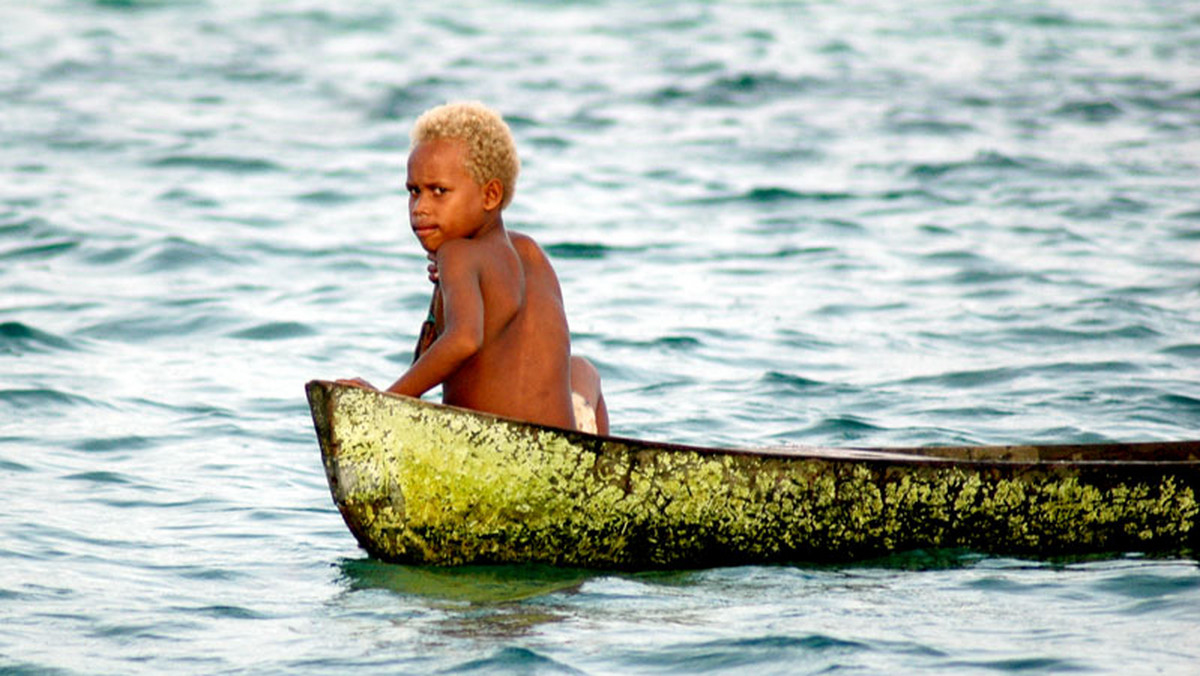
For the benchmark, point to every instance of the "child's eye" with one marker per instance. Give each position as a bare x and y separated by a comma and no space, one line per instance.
439,191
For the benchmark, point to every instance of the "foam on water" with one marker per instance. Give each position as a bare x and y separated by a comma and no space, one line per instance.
820,223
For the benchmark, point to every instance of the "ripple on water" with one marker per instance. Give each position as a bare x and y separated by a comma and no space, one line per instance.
777,386
221,163
177,253
740,654
1184,406
1105,209
993,166
112,255
773,195
43,399
101,477
843,428
148,328
115,444
408,101
12,465
1055,336
967,379
39,251
17,339
327,197
515,660
190,198
1187,351
1035,665
580,250
275,331
1094,111
747,88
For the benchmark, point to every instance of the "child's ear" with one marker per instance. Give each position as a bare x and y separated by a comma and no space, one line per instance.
493,194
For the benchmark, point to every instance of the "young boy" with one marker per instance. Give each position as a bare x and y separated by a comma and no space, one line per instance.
501,340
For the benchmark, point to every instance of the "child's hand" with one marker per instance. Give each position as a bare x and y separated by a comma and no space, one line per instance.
356,382
433,271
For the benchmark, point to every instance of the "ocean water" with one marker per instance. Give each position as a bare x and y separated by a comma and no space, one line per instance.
849,223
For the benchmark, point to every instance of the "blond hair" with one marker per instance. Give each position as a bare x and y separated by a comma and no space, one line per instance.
491,151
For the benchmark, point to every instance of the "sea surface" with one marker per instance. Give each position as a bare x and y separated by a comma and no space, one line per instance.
858,222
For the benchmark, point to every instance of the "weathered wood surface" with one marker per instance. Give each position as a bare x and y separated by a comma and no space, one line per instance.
418,482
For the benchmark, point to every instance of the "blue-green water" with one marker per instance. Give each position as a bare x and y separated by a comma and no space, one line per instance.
848,223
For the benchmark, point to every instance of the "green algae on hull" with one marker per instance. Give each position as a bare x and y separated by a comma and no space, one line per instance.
418,482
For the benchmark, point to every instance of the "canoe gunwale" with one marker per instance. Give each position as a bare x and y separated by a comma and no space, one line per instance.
1183,454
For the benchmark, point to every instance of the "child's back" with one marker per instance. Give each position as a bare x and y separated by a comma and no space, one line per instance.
522,368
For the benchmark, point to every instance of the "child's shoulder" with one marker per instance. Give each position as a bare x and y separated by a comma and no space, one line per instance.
460,250
526,245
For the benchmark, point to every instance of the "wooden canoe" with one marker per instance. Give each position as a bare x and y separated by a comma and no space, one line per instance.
423,483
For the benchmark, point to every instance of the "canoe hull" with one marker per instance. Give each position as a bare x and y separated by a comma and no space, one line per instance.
422,483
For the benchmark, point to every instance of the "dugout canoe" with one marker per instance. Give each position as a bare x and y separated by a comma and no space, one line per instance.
423,483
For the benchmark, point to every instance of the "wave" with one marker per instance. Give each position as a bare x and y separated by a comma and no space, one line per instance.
674,343
275,331
222,163
926,121
775,195
1048,335
1187,351
580,250
177,253
513,660
407,101
142,4
326,197
1106,208
1182,404
746,88
744,655
39,399
990,165
1089,111
17,339
841,428
967,379
146,328
787,381
111,444
39,251
101,477
190,198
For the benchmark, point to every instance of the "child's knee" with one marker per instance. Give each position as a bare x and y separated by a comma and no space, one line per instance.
591,413
585,379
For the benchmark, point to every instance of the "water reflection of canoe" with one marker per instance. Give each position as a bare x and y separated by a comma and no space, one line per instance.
418,482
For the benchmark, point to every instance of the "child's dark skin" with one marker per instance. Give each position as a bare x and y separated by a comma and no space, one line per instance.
502,343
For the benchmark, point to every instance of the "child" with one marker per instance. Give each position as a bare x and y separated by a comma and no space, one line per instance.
501,342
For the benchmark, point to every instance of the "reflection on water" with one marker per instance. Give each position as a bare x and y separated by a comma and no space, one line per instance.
481,602
475,585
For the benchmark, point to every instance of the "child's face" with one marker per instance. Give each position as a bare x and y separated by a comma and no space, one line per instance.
444,201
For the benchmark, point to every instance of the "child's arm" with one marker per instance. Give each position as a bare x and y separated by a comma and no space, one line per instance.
462,332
